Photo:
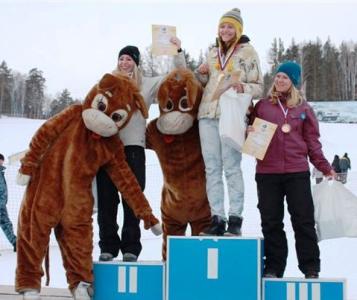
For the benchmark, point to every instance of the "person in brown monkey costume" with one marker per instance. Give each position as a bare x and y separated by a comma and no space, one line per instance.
175,139
64,156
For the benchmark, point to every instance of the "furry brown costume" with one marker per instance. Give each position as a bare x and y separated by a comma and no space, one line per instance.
65,155
175,139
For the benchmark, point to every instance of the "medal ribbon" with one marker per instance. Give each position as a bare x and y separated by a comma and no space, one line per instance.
285,112
222,63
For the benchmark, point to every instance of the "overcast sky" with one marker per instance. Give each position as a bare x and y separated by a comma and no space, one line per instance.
75,42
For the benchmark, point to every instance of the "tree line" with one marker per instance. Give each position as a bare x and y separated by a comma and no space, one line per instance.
329,73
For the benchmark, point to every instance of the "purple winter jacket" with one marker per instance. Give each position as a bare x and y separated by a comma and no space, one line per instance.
289,152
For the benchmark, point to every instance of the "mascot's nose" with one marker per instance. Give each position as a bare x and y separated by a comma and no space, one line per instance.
99,122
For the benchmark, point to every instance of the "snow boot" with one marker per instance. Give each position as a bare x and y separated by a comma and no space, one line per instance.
234,226
217,227
31,294
312,275
106,256
130,257
83,291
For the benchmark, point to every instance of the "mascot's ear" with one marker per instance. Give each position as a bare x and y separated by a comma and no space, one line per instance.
107,82
163,93
194,91
140,104
191,90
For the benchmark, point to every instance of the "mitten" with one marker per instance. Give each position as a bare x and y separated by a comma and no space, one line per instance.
22,179
149,220
156,229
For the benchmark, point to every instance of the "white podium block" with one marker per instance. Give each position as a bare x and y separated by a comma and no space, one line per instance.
304,289
117,280
213,268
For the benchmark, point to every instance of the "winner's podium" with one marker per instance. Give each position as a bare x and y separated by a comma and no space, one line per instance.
304,289
117,280
214,268
207,268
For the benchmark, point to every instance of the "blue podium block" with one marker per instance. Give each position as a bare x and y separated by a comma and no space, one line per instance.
304,289
129,281
213,268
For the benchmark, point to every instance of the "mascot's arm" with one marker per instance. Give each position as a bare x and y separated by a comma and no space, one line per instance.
126,183
45,136
150,135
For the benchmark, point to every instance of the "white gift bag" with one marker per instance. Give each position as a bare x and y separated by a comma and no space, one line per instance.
335,210
232,124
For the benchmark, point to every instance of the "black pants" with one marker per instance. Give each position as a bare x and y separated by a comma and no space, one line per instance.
272,189
108,201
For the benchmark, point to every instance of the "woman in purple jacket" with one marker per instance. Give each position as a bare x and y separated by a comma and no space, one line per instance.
284,173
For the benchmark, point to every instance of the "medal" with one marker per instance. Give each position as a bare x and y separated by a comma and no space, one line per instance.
286,128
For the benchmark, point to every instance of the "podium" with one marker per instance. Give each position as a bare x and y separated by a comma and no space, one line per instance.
303,289
213,268
117,280
209,268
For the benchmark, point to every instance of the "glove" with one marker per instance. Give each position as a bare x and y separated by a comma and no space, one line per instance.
22,179
150,221
156,229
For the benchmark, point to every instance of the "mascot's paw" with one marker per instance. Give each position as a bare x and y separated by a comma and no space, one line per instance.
22,179
150,220
156,229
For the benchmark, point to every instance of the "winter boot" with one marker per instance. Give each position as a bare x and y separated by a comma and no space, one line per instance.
130,257
311,274
83,291
217,227
106,256
31,294
234,226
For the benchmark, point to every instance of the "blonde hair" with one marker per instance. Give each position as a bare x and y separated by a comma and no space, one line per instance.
136,75
295,96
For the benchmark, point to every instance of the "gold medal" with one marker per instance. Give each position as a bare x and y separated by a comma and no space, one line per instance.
286,128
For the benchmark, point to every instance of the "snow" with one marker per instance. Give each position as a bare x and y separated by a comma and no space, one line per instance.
338,256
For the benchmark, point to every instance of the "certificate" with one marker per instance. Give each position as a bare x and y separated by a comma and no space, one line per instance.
161,35
258,141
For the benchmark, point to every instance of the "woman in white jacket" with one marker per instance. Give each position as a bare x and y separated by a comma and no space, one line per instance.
133,137
232,54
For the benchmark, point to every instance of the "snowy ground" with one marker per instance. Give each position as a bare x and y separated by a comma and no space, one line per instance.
338,256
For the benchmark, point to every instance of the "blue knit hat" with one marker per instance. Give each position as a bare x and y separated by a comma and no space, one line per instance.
292,69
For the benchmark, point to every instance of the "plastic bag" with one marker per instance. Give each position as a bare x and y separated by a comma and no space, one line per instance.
232,125
335,210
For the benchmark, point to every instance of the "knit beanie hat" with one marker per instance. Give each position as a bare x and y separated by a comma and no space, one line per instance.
132,51
292,69
233,17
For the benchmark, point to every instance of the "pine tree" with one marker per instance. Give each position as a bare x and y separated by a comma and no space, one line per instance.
293,52
330,69
35,85
61,102
312,70
6,85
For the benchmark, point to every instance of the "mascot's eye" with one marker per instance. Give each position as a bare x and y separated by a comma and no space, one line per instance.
101,106
100,102
169,106
119,117
183,104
